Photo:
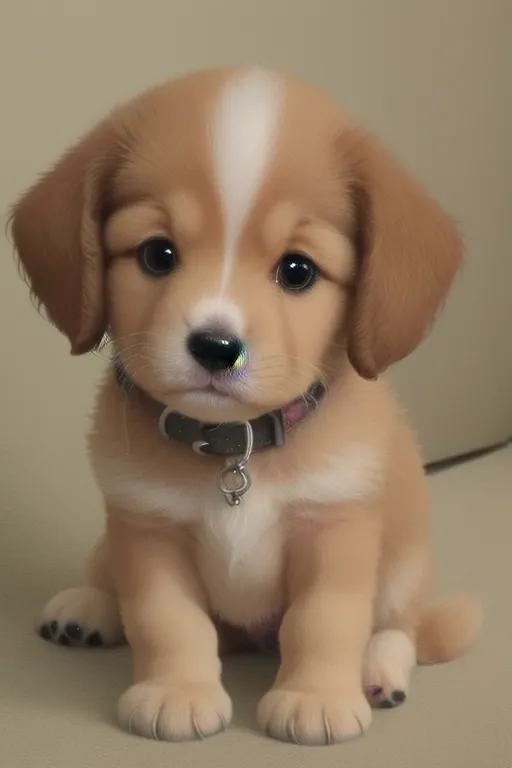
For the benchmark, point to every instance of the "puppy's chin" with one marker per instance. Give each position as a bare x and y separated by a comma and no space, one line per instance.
205,405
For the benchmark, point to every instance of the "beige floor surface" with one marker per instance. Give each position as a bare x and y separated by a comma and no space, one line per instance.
57,704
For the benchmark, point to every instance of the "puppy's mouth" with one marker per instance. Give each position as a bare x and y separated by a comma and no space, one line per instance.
215,401
211,394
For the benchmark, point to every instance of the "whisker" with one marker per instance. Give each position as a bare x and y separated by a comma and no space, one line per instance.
125,421
284,359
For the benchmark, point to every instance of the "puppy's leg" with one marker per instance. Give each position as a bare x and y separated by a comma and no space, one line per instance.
404,587
408,630
177,693
86,616
318,696
389,660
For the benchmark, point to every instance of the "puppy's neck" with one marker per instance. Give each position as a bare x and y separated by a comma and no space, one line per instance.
226,438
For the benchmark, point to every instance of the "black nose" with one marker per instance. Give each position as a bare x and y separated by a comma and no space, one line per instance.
213,350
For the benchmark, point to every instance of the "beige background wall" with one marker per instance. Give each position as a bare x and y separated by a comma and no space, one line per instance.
429,77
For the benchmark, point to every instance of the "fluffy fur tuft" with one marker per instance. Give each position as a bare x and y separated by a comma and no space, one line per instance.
448,629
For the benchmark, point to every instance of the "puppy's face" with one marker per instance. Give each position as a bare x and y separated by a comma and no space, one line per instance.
238,238
230,265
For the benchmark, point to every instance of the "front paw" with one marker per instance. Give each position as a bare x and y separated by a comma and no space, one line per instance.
169,711
313,718
82,617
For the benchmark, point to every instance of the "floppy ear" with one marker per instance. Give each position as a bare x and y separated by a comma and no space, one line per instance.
409,252
57,233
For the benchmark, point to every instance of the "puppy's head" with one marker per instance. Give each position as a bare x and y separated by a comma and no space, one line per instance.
239,238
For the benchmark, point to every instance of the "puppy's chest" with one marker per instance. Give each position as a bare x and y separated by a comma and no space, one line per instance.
238,549
240,557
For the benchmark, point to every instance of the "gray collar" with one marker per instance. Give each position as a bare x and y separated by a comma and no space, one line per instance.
230,438
235,441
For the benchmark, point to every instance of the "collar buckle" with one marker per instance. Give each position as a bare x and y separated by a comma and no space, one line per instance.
162,422
278,428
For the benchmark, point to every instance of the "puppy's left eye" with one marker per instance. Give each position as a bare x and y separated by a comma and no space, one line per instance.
157,257
296,272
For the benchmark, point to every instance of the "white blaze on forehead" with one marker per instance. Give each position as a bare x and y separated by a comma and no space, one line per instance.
243,136
217,313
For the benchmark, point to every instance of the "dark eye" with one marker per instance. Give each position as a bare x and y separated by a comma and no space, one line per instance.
296,272
157,257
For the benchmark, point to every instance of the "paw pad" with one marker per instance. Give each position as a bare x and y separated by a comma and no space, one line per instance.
72,634
384,700
82,617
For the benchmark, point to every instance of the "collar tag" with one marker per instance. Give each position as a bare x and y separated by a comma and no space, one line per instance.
234,481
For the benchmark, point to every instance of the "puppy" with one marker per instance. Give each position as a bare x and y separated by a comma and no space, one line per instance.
257,261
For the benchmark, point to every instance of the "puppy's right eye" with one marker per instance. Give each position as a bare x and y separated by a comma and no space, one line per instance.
157,257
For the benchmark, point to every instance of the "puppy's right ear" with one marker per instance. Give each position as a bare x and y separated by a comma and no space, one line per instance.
57,232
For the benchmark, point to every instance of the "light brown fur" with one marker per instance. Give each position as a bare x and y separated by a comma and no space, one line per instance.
354,564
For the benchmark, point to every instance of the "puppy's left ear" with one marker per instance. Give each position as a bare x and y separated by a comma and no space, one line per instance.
409,252
57,231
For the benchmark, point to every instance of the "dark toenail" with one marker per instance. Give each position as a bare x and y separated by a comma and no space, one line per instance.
64,640
95,639
54,627
45,632
74,631
386,704
377,691
399,697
